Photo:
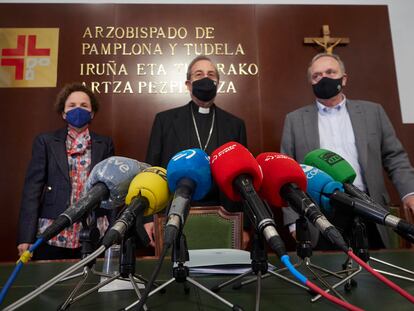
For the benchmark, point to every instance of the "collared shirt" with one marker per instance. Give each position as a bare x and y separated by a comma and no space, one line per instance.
337,134
78,149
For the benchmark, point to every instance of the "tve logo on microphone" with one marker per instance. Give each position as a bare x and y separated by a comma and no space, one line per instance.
120,164
28,57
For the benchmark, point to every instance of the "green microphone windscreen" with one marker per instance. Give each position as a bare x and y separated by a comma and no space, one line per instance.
331,163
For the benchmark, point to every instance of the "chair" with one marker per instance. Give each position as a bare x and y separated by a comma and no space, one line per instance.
206,227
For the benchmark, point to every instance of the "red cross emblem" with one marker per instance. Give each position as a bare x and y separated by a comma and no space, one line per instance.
16,56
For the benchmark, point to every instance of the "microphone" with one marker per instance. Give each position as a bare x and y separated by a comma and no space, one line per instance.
148,194
285,182
318,185
239,176
340,170
367,210
189,177
108,182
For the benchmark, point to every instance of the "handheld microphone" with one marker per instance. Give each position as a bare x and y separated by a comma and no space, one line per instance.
148,194
189,177
239,176
285,182
367,210
109,181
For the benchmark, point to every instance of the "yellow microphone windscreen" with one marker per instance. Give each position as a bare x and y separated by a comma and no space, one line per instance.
152,184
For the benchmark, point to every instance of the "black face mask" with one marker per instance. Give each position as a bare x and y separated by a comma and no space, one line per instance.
204,89
327,88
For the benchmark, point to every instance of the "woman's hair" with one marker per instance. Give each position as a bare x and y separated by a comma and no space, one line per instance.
69,89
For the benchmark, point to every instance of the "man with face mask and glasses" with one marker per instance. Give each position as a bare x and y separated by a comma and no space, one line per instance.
359,131
198,124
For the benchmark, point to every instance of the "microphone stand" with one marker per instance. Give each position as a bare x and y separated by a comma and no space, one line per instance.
127,263
409,238
350,189
304,252
259,267
88,238
181,274
359,243
395,267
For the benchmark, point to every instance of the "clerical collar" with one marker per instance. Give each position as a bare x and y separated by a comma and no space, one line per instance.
196,127
201,110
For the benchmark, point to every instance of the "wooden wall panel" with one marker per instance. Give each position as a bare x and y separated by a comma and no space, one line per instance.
271,37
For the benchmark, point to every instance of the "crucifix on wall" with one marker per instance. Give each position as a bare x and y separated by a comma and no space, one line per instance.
327,42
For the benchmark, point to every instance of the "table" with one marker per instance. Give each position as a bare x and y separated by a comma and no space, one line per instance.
277,294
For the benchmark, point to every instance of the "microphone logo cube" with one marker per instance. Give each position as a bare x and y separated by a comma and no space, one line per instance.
331,158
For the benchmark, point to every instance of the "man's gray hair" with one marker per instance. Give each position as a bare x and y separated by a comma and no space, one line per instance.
334,56
195,60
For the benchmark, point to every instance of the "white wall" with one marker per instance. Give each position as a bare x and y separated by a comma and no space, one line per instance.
402,30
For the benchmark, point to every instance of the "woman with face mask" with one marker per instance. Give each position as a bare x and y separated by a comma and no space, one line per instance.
55,179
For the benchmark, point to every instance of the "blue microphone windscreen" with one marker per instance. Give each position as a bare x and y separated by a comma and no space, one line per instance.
193,164
320,185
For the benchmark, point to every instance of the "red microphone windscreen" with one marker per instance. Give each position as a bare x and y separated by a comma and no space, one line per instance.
278,170
228,162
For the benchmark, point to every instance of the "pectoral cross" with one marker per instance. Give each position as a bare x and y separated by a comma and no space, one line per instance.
326,41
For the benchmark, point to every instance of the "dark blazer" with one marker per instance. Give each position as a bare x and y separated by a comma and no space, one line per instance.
377,145
47,187
171,133
171,128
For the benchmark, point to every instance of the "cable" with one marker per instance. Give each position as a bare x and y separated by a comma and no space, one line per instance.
24,258
388,282
54,280
328,296
152,278
286,261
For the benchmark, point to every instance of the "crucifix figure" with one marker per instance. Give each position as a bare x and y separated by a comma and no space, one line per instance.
327,42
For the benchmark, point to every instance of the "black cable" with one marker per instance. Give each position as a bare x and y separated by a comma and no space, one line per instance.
152,278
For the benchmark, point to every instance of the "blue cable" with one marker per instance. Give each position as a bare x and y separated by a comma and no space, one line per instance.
10,281
16,271
286,261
